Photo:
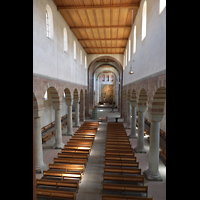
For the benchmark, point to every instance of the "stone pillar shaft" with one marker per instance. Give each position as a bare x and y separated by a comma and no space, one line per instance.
152,173
58,136
69,120
133,123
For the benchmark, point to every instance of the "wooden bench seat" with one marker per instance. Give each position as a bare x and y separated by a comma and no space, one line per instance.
117,140
63,175
72,155
129,149
48,136
68,168
70,161
121,164
124,188
55,194
81,151
118,146
121,158
81,148
78,144
118,143
122,170
58,183
83,139
124,178
120,197
119,153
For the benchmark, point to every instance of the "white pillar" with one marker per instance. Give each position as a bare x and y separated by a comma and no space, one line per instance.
69,118
58,136
39,163
133,121
128,116
77,114
152,173
140,139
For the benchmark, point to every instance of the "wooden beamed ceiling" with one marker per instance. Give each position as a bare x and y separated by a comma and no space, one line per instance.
101,26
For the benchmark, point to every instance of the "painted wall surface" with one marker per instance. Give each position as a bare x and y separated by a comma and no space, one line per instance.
150,55
49,58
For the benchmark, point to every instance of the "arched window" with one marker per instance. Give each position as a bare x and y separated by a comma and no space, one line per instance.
162,5
45,96
65,40
49,22
134,39
85,62
129,50
144,19
74,50
126,57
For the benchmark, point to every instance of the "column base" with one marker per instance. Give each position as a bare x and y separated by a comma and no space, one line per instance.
138,150
152,177
39,169
59,146
132,136
76,126
128,127
70,133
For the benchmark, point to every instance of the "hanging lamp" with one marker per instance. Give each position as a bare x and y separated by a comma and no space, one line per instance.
131,63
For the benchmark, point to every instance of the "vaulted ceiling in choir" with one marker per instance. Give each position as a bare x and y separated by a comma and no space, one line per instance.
101,26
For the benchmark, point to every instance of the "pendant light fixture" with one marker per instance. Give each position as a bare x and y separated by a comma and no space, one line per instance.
131,63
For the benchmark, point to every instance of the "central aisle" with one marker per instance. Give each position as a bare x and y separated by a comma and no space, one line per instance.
92,182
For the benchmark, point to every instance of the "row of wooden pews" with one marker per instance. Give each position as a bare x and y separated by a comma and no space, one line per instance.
122,178
61,180
49,135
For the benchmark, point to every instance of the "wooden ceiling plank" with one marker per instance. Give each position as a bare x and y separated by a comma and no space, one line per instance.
105,27
90,7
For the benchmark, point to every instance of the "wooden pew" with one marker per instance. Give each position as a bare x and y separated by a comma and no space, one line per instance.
58,183
78,144
56,194
117,149
124,178
119,153
121,158
70,161
80,151
47,136
63,175
124,188
72,155
81,148
121,164
122,170
67,168
120,197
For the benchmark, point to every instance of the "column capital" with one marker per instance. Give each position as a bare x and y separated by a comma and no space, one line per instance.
133,103
142,108
38,113
155,117
57,106
69,103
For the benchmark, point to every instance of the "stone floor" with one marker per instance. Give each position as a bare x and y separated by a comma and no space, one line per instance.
91,185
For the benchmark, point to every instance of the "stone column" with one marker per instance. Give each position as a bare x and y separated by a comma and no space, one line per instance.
39,163
58,131
128,116
140,139
133,121
77,114
69,118
152,173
